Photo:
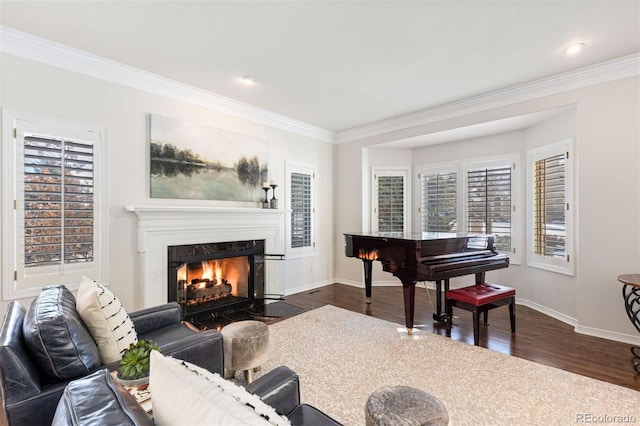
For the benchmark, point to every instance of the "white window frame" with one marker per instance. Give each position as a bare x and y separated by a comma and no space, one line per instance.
310,250
564,265
24,284
430,170
513,161
404,172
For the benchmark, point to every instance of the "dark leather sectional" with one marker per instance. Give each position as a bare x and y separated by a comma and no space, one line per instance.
45,347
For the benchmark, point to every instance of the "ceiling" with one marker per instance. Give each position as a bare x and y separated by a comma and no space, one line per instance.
340,64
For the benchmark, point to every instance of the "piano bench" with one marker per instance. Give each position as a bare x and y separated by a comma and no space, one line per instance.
480,298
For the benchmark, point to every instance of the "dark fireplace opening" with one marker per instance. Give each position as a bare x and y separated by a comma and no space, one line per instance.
216,278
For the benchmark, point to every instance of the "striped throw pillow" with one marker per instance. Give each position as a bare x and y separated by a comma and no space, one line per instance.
106,318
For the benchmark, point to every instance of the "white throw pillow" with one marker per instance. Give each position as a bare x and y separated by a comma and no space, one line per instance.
107,320
185,394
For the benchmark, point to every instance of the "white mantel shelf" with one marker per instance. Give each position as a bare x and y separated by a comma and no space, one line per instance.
159,227
150,209
151,212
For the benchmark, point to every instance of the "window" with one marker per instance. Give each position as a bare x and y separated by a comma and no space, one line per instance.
550,213
55,204
390,212
438,201
301,227
58,201
489,204
477,196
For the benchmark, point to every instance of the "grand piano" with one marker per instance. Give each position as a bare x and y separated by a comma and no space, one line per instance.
424,257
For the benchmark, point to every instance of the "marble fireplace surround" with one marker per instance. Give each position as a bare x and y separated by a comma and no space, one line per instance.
159,227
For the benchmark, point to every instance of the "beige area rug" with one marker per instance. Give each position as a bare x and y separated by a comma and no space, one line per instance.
342,357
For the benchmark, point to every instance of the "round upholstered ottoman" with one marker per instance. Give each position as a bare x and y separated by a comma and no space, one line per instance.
246,346
404,406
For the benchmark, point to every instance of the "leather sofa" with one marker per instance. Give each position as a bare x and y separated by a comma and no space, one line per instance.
30,395
97,393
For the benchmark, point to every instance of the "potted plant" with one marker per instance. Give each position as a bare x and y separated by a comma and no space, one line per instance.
134,365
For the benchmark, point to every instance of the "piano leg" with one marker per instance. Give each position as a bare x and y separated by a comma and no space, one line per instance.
409,292
439,314
367,278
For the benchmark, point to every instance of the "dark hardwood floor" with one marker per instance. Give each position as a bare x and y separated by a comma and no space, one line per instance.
538,337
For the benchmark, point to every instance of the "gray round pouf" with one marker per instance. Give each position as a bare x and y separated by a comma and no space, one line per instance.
404,406
246,347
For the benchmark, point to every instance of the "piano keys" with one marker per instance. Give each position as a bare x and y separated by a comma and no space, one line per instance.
424,257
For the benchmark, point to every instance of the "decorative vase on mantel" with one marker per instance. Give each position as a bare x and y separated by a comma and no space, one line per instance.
265,203
274,200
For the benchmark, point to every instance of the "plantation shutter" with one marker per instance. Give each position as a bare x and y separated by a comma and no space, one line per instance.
301,210
58,201
550,229
489,204
439,202
391,199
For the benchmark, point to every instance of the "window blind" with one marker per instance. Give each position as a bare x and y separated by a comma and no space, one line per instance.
301,210
489,204
439,202
58,201
549,207
390,208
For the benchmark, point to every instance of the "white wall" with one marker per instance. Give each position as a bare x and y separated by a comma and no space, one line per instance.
605,122
550,291
608,175
40,89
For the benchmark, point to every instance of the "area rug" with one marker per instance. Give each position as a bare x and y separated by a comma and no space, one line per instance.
342,357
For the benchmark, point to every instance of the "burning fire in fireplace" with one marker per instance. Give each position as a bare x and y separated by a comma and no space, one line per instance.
210,280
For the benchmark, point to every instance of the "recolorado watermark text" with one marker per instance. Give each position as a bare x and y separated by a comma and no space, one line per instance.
605,418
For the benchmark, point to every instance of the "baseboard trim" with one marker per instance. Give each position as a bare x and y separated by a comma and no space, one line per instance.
589,331
307,287
609,335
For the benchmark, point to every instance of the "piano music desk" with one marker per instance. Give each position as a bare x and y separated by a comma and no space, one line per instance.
480,298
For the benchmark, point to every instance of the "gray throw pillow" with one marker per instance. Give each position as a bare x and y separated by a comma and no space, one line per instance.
56,336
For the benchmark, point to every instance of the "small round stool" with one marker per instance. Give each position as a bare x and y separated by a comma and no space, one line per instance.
246,346
406,406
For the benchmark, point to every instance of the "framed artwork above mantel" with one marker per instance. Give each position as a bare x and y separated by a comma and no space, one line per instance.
196,162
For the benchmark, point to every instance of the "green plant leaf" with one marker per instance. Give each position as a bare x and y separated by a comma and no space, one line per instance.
136,361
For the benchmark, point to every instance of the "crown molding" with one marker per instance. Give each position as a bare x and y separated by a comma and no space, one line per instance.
38,49
626,66
45,51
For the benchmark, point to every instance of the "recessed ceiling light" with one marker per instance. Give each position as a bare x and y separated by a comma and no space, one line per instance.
575,48
247,79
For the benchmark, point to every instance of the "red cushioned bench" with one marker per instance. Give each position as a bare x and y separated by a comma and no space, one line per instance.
480,298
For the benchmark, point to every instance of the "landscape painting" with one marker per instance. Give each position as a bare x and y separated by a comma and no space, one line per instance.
204,163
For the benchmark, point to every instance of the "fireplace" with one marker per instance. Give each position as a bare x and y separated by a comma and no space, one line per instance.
161,227
216,278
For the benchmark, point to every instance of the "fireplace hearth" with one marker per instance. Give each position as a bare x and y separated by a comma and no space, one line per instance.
212,279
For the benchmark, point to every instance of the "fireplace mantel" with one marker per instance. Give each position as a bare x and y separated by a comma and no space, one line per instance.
159,227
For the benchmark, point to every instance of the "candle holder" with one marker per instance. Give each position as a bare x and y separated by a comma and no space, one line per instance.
265,203
274,200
